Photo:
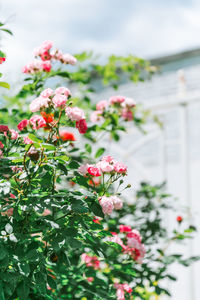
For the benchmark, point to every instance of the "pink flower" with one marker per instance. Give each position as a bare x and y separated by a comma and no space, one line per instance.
83,169
117,202
96,116
127,114
120,168
105,166
91,261
74,113
27,141
68,59
45,56
46,212
63,90
127,288
47,93
125,228
116,99
94,171
14,134
59,100
106,205
107,158
39,103
116,239
121,287
101,105
46,65
1,145
23,124
82,126
3,128
16,169
90,279
129,103
56,54
120,294
45,46
37,122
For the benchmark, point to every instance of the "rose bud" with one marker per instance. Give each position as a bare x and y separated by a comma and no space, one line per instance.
33,154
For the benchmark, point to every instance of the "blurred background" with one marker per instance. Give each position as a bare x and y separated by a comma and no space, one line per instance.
166,32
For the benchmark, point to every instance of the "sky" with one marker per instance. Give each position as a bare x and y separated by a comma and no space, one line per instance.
147,28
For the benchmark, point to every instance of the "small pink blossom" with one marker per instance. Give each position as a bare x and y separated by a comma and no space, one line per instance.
101,105
96,116
59,100
14,134
91,261
56,54
23,124
90,279
47,93
116,99
74,113
106,205
105,166
108,158
46,66
27,141
125,228
46,212
63,91
68,59
83,169
81,126
37,122
1,145
127,114
117,202
120,168
94,171
16,169
129,103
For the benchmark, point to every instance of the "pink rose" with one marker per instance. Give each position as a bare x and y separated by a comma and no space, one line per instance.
46,65
105,166
107,158
127,114
116,99
47,93
74,113
82,126
37,122
117,202
125,228
94,171
23,124
96,116
101,105
1,145
14,134
106,205
59,100
129,103
83,169
63,90
68,59
120,168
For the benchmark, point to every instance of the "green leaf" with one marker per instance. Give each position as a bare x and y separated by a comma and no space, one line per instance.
4,84
22,290
34,138
99,152
2,297
96,209
79,207
88,148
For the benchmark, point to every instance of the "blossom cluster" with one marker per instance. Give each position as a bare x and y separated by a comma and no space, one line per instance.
121,104
91,261
107,165
121,289
44,55
108,204
133,240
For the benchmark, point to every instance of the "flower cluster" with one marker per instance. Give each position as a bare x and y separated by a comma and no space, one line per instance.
107,165
108,204
133,239
44,55
49,98
121,289
121,104
91,261
76,114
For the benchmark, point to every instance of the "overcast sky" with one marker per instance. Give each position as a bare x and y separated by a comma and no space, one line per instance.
145,28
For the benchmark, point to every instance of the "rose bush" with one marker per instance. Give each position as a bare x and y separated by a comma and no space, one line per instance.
64,234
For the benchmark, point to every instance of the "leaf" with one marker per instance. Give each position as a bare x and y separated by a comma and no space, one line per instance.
7,30
99,152
4,84
3,252
34,138
22,290
96,209
88,148
79,207
2,297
